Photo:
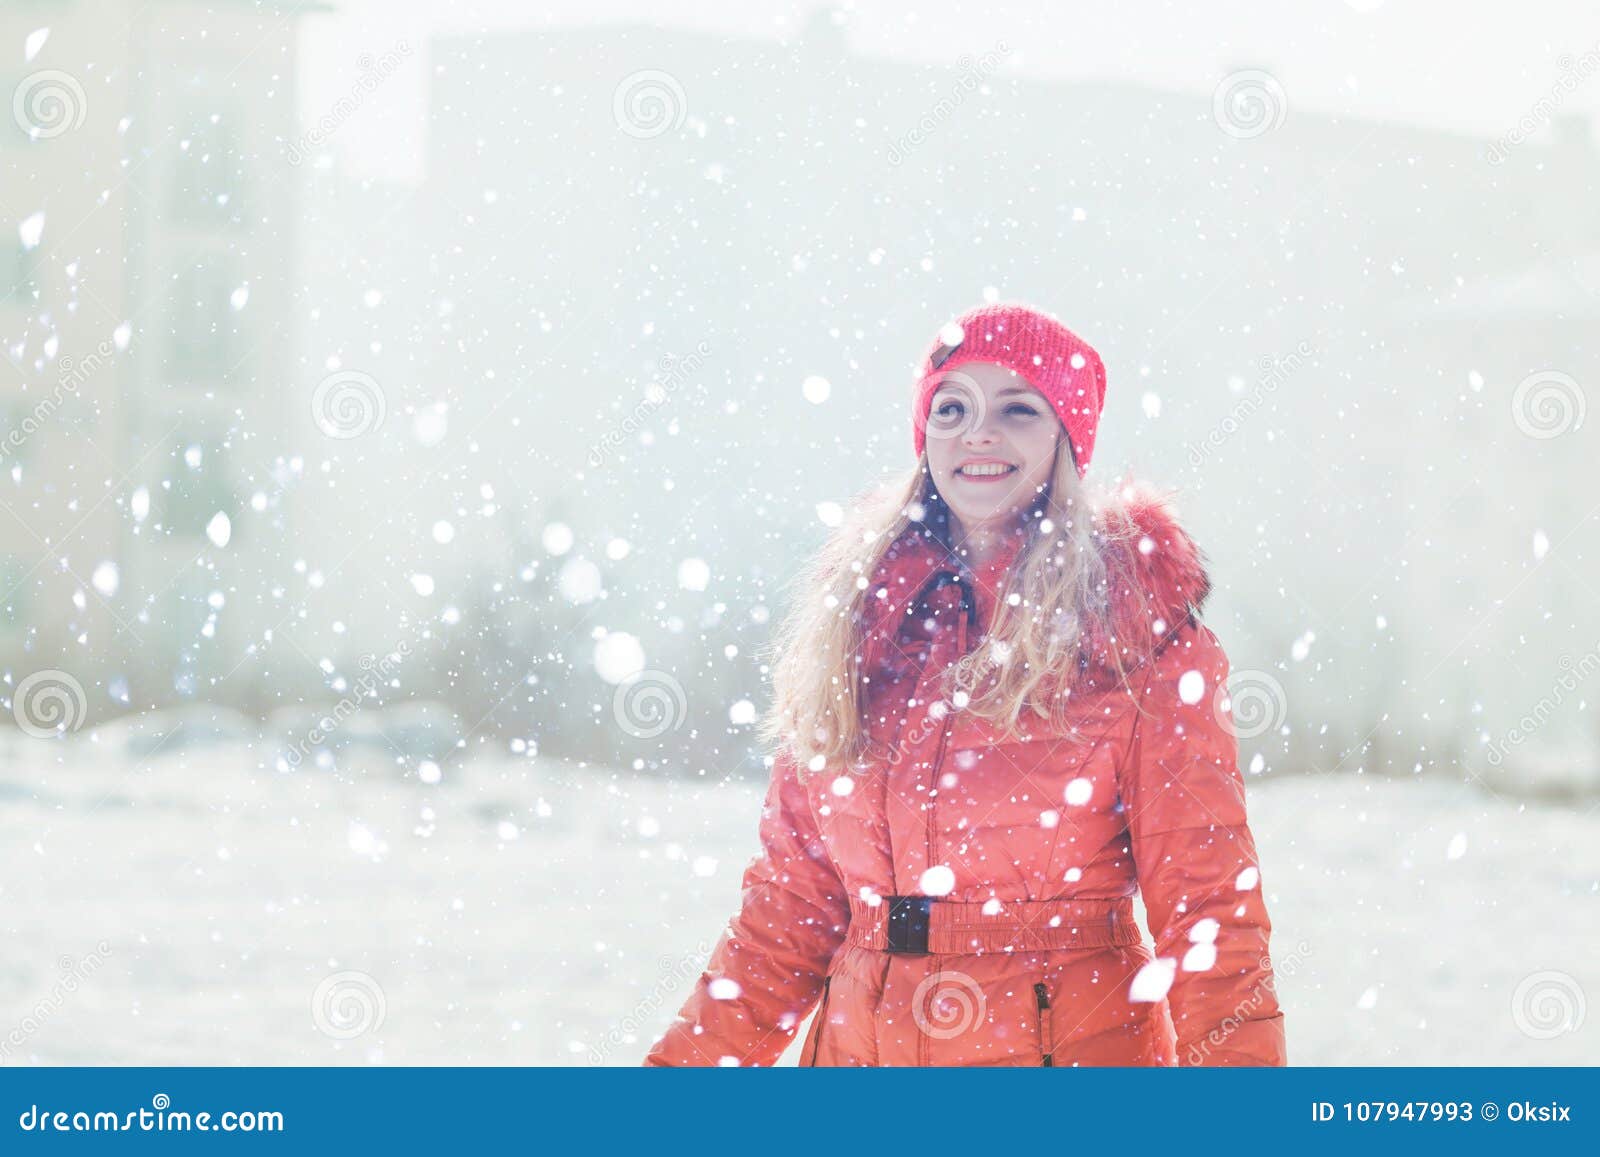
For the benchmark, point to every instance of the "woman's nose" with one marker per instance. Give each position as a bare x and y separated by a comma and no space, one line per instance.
979,431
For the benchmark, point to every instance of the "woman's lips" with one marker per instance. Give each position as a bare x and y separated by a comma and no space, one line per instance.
998,476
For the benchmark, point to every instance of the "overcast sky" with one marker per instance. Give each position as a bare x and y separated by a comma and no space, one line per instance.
1474,68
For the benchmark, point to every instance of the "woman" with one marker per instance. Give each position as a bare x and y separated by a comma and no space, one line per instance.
998,716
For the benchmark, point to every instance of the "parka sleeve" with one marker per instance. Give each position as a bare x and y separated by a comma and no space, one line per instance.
766,970
1196,861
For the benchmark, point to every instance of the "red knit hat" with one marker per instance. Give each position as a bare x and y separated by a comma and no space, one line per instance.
1054,360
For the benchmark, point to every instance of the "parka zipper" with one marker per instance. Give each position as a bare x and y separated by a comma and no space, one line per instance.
822,1020
948,724
944,732
923,1045
1041,994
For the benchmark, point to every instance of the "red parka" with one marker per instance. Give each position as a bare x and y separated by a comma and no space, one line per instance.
1031,848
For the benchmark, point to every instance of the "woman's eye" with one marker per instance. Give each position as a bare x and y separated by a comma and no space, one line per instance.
1022,408
951,409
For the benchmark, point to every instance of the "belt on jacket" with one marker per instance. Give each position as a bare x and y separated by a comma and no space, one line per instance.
919,925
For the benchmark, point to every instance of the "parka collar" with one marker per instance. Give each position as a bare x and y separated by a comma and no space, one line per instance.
1157,576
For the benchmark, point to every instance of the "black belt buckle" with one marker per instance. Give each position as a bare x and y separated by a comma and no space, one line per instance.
908,923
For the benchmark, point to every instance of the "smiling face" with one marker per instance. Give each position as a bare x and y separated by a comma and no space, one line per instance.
991,442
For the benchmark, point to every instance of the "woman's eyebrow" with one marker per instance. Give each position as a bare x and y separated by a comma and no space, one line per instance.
1014,390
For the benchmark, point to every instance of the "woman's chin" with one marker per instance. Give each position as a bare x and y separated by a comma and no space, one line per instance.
989,518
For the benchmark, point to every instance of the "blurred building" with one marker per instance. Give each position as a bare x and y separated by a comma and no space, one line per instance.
145,321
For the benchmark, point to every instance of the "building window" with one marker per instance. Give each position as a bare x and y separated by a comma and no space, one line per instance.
14,580
198,487
19,270
18,428
13,130
204,342
209,180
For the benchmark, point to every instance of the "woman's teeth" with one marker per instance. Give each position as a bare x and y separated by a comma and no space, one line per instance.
986,470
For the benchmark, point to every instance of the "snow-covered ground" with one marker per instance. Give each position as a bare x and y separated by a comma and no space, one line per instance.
196,910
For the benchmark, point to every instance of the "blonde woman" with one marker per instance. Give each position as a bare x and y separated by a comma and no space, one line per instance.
997,717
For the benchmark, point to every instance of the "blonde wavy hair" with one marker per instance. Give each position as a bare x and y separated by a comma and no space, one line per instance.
1056,590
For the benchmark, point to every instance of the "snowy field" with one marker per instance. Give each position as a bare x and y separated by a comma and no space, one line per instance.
534,912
